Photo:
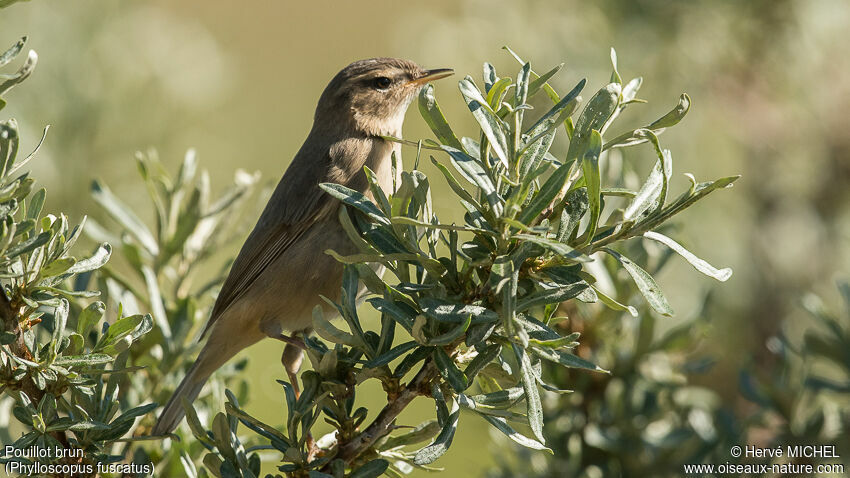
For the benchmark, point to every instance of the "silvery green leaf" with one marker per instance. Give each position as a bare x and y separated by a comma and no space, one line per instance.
433,116
12,52
7,82
456,313
521,91
490,76
457,188
550,294
452,335
720,274
559,248
502,425
612,303
496,94
575,205
537,83
697,192
647,196
60,318
399,311
448,369
57,267
36,202
615,75
543,197
566,359
391,354
481,360
489,121
595,116
499,399
534,406
371,469
356,200
329,332
83,360
646,284
118,330
90,316
441,444
638,136
473,172
566,341
593,182
423,431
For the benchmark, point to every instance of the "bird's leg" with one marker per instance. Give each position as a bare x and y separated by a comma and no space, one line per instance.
293,355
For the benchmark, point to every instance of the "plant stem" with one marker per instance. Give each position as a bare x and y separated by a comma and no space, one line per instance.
382,424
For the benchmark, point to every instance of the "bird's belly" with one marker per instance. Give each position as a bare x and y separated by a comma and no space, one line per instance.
284,295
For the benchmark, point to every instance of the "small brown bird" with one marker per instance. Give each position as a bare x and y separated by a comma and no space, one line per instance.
282,269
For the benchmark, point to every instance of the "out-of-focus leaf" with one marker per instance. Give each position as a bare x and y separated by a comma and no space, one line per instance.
125,216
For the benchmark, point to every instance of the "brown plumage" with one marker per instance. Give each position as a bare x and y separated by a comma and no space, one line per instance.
281,271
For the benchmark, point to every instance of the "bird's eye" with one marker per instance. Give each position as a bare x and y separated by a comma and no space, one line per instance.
382,82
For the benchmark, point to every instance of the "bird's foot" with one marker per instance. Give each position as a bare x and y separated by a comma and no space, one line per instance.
291,359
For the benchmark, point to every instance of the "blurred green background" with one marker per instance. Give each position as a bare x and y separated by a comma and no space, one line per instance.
769,80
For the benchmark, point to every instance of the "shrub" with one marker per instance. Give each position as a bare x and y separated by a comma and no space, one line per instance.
81,371
468,310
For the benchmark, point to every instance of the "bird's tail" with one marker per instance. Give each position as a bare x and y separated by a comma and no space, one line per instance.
189,389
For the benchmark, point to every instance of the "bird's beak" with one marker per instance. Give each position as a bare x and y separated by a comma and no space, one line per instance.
431,75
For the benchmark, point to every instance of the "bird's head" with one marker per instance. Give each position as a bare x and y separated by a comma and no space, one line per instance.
371,96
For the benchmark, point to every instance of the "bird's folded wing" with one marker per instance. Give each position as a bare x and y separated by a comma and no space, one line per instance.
294,207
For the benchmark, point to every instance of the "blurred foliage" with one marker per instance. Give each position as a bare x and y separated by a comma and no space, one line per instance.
74,375
647,418
807,398
61,361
